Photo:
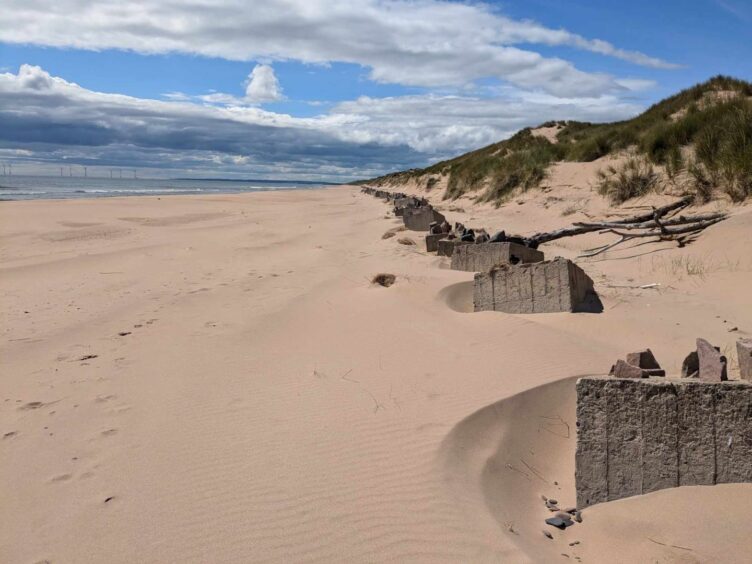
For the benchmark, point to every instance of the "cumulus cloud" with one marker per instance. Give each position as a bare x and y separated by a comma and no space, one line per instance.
262,85
427,43
57,120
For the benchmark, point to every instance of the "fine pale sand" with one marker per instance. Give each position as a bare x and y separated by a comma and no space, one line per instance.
215,379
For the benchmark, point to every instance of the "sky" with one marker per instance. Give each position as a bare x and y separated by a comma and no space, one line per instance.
331,90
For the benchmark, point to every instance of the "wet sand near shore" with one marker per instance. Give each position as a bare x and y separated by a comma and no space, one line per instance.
215,378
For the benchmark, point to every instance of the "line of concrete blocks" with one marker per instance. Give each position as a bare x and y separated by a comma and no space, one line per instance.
557,285
485,256
636,436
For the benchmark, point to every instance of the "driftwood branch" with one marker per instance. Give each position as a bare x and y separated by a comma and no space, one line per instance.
681,220
660,222
663,234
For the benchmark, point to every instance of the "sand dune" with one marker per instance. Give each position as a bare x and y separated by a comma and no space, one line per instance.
222,382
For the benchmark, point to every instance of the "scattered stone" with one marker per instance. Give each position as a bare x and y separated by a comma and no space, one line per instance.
559,523
107,500
574,543
744,352
547,534
384,280
88,357
124,333
388,235
553,502
733,329
405,241
712,362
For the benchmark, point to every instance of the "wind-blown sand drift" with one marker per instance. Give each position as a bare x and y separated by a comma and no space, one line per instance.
216,379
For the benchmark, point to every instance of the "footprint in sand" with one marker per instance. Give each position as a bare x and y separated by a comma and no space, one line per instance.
31,405
104,399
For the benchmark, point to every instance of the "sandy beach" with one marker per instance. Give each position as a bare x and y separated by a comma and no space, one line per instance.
216,379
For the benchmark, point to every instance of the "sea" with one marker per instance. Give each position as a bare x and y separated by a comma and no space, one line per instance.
18,187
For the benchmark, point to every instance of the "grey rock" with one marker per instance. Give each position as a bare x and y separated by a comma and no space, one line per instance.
559,522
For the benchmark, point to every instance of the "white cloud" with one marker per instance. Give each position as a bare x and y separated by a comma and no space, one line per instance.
428,43
59,120
262,85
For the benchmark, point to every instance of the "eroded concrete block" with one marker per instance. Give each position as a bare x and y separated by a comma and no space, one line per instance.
542,287
432,241
636,436
420,219
445,247
744,352
482,257
712,364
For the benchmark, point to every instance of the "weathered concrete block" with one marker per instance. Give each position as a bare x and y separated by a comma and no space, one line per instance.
624,369
420,219
445,247
542,287
712,364
432,241
483,257
744,352
636,436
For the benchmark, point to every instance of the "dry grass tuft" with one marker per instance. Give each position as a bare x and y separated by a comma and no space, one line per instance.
635,177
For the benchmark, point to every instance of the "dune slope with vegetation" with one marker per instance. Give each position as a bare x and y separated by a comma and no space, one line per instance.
699,141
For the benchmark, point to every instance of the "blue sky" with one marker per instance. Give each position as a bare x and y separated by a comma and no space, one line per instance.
323,89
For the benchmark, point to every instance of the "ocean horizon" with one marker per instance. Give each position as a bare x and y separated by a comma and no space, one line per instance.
20,187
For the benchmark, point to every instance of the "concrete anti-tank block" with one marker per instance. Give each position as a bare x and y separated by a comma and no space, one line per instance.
420,219
483,257
542,287
445,247
636,436
432,241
